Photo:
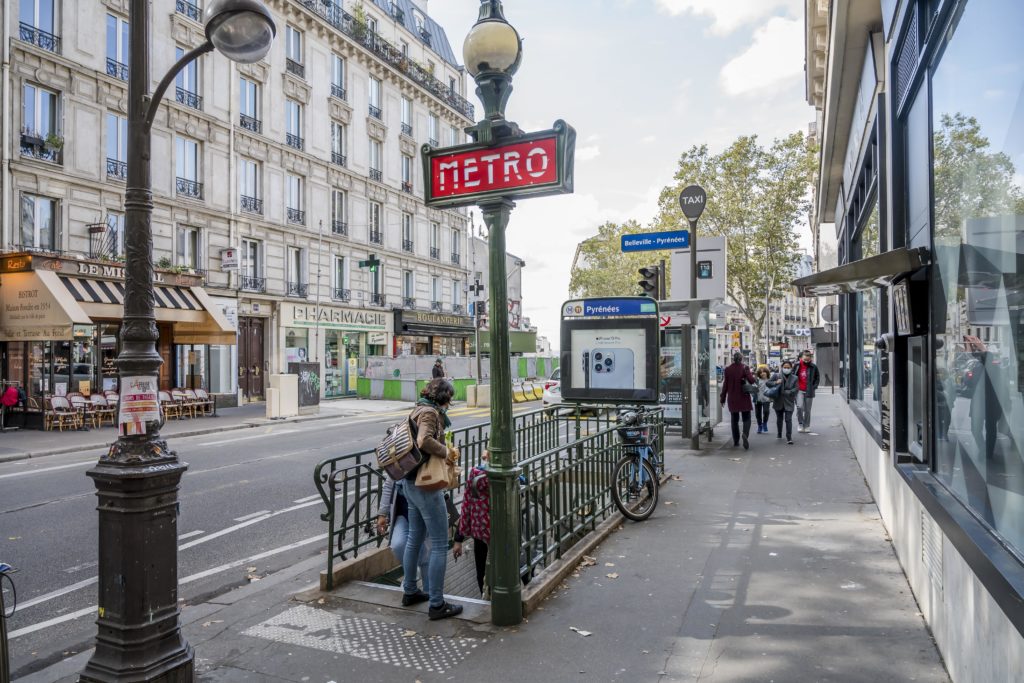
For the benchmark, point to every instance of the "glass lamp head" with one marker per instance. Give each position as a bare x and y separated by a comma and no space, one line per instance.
492,45
243,30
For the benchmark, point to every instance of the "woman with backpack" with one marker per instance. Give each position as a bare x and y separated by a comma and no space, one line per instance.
428,515
785,398
762,404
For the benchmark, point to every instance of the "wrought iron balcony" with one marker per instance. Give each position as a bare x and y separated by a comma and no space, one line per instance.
436,306
189,9
293,140
117,69
407,129
339,92
406,186
375,112
189,188
254,284
295,68
376,237
408,302
251,124
339,159
36,146
376,174
39,37
378,299
407,245
188,98
435,253
458,308
339,228
252,204
342,294
455,258
298,289
296,216
117,169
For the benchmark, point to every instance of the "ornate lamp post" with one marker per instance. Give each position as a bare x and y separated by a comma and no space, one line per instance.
492,53
139,634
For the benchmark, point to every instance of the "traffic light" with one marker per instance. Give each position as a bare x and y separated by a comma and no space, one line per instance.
651,283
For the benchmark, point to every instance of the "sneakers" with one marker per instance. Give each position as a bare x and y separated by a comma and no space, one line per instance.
746,444
804,430
790,442
444,611
409,599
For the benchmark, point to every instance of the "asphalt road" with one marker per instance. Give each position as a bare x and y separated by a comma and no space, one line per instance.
247,501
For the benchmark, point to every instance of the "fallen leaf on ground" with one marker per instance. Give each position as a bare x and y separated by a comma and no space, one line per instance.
613,575
668,502
676,477
250,569
588,561
579,631
253,577
609,564
14,538
408,633
736,459
321,601
214,621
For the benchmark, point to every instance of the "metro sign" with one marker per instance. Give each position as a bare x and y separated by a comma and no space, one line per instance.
531,165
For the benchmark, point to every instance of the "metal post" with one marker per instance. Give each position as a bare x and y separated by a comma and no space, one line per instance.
662,277
502,472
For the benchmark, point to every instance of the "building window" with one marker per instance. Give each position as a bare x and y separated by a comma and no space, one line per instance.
340,282
189,248
456,296
373,221
293,52
40,131
38,223
453,135
249,186
296,272
408,289
376,157
375,98
294,204
456,248
187,82
189,9
338,136
435,293
407,173
339,212
866,359
38,24
187,168
433,130
113,239
435,241
975,288
293,124
251,271
117,47
117,146
249,105
407,241
404,46
406,116
338,77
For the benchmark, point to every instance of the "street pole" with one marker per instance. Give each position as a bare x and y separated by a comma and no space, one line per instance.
662,277
692,200
139,630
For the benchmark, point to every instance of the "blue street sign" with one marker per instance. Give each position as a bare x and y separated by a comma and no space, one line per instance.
604,308
653,241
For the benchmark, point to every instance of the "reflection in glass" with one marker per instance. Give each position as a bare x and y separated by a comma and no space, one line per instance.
976,286
867,362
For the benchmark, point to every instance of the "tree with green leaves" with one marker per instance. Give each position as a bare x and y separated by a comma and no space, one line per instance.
602,269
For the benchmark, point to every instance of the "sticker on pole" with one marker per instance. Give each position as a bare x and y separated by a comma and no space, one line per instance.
139,404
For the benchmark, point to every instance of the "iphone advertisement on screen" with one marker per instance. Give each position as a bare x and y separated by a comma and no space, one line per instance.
609,360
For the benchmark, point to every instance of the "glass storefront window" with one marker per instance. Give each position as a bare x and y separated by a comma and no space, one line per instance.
222,376
413,346
108,355
977,289
867,361
191,366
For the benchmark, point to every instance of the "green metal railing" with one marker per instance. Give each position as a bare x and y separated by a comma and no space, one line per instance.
561,447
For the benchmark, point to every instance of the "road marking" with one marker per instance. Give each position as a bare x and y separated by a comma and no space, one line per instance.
50,622
246,438
307,498
242,525
190,534
48,469
79,567
245,518
57,593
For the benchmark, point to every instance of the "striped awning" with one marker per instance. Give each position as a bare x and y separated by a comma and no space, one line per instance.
112,292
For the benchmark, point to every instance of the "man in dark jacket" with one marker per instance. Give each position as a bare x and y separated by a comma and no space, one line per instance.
438,370
807,381
740,405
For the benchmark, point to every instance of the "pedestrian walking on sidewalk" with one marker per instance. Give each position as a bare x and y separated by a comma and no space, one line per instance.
428,515
437,372
762,404
740,406
785,400
807,380
393,514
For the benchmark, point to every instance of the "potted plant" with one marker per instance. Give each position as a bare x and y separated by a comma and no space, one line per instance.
54,142
164,263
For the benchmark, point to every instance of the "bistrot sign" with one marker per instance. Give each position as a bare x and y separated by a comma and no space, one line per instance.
531,165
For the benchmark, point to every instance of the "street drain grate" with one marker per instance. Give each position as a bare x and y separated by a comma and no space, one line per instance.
364,639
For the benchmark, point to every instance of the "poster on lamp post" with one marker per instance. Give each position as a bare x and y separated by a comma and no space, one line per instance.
139,404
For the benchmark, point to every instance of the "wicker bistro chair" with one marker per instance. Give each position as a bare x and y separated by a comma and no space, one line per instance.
104,410
59,412
112,397
85,408
170,406
188,407
203,406
212,400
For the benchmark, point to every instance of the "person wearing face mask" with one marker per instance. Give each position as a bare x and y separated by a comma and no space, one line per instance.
784,402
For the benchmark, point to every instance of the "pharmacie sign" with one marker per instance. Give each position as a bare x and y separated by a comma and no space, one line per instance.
332,317
531,165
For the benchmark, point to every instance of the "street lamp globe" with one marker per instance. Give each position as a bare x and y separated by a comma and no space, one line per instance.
242,30
492,45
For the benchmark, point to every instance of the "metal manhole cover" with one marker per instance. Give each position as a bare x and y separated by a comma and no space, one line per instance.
364,639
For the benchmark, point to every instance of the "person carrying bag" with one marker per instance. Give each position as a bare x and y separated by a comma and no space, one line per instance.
428,515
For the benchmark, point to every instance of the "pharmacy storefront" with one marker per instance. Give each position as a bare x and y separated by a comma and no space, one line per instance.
341,339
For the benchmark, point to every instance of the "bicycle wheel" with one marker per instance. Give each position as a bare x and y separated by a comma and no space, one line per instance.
635,487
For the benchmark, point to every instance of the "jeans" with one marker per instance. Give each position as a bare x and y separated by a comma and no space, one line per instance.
399,536
427,518
736,426
788,414
803,410
762,410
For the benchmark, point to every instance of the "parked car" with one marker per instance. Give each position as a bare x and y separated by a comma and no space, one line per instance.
553,389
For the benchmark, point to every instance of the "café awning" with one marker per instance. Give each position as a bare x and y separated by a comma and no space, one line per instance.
865,274
35,307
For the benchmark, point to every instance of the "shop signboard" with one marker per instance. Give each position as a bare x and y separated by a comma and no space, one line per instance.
333,317
229,259
31,311
377,338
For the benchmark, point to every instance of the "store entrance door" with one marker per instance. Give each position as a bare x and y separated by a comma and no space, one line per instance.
250,358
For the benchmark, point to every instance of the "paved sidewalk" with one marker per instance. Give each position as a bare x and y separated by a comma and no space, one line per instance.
763,565
33,443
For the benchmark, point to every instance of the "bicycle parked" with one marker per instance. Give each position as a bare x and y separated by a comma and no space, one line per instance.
635,477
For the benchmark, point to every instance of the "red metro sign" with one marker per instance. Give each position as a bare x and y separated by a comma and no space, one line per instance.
531,165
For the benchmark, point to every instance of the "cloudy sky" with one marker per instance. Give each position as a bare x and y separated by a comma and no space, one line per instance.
640,81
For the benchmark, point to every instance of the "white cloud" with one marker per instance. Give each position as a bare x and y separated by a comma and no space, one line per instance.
587,153
648,139
729,15
776,55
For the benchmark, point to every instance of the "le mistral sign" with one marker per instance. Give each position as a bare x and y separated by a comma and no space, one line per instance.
531,165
